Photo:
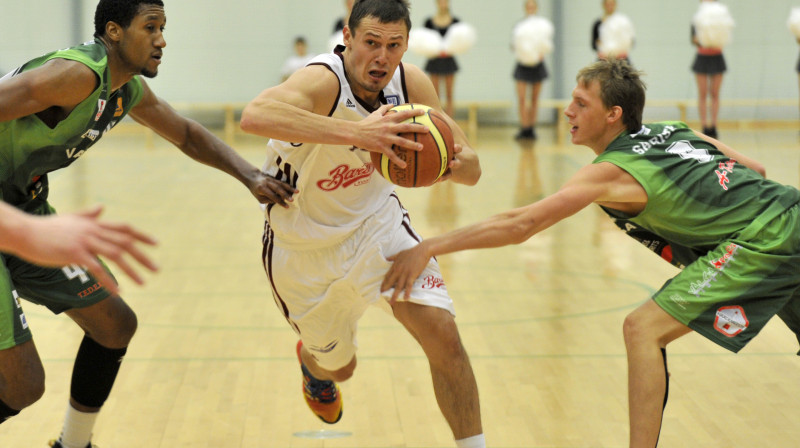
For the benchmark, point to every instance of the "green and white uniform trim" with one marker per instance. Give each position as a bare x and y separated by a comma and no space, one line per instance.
744,228
29,149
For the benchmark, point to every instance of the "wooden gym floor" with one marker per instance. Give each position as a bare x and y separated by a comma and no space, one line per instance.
213,362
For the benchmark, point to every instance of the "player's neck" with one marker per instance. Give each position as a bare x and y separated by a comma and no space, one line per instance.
610,136
119,75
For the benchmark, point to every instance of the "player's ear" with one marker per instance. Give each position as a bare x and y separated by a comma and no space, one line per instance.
347,36
614,114
113,31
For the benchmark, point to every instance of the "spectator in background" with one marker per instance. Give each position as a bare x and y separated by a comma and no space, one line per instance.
298,60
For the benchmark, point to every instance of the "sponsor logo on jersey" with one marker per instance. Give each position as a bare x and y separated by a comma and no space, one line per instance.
74,153
101,106
677,299
344,176
119,110
643,147
349,104
22,320
723,261
725,168
731,320
89,290
697,288
91,134
432,281
394,100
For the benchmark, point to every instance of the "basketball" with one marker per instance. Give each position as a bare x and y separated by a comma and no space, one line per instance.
424,167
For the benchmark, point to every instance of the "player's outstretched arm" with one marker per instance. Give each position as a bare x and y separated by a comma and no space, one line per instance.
592,183
201,145
61,240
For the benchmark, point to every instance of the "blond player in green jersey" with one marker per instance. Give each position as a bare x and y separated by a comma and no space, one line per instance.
741,231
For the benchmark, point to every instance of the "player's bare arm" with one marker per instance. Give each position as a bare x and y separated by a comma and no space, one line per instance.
465,167
201,145
297,111
602,182
733,154
53,89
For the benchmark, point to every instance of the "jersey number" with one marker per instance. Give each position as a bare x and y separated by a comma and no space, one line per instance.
74,271
685,149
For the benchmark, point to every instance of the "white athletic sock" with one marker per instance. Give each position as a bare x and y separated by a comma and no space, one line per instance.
77,431
472,442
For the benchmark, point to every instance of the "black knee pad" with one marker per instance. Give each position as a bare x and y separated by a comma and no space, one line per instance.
6,412
95,370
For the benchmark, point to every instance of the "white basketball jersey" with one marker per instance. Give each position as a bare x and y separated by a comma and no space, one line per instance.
339,188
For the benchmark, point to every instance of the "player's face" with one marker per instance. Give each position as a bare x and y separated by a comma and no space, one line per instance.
373,53
142,44
588,117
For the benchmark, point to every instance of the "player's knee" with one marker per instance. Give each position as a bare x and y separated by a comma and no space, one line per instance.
447,343
634,329
120,331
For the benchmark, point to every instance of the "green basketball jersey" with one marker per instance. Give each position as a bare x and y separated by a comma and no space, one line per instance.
697,197
29,149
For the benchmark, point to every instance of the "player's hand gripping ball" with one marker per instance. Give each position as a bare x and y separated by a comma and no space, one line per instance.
424,167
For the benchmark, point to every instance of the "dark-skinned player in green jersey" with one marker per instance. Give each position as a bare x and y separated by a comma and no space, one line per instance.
52,109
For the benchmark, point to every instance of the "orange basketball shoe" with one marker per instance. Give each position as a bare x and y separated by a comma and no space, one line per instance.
322,396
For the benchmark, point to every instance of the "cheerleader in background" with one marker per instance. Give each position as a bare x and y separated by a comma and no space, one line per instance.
711,31
612,34
794,26
609,6
443,66
532,40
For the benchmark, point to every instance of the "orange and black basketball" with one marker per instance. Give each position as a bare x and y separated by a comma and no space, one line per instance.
423,167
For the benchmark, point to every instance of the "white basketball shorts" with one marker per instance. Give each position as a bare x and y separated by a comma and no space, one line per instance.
323,292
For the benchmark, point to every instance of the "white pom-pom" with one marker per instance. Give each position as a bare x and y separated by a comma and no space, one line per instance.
425,42
336,39
794,22
459,38
713,24
616,35
533,40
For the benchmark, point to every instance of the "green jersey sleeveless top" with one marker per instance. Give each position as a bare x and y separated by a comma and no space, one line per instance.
29,149
697,197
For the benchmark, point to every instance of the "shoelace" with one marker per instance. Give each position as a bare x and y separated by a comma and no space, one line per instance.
321,390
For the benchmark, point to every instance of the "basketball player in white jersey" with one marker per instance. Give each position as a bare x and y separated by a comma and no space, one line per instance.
325,255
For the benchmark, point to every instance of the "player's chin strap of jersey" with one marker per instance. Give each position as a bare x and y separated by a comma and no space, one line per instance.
677,255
